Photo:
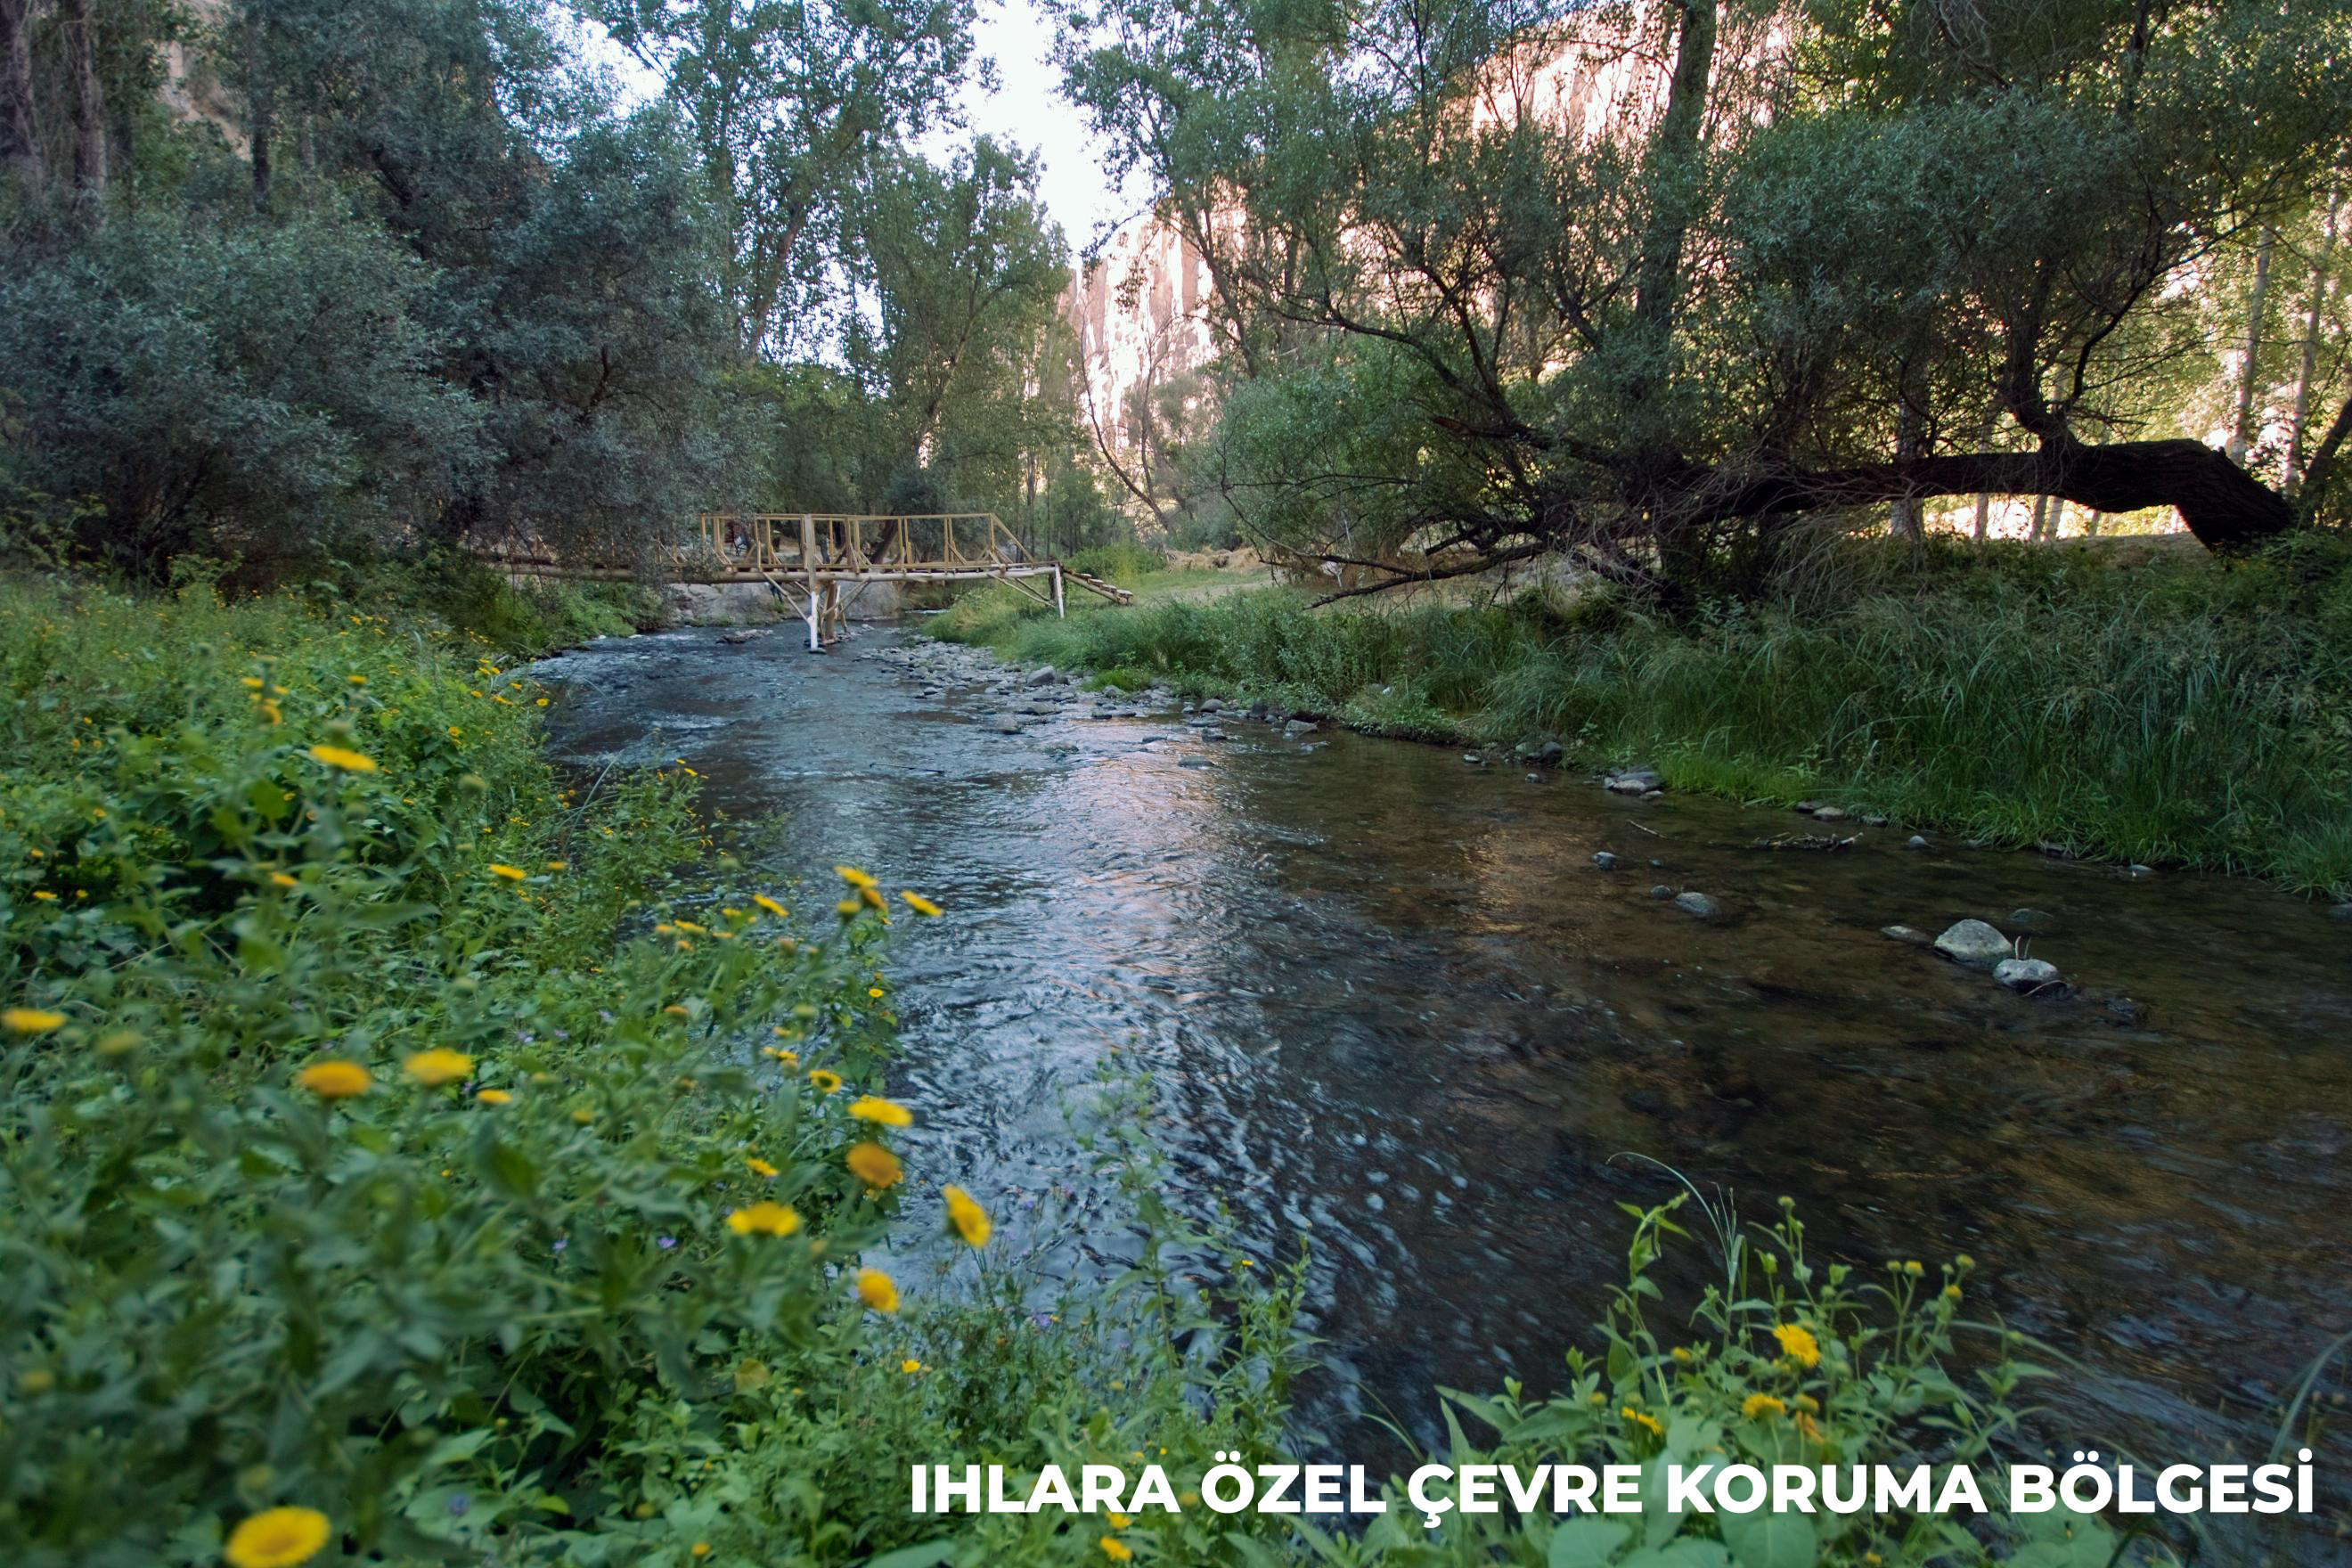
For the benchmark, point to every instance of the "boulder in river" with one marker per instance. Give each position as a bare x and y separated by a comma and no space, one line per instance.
1299,727
1605,860
1974,944
1697,904
1045,675
2029,918
1005,724
1662,891
1633,781
1911,934
1916,842
1830,814
2025,973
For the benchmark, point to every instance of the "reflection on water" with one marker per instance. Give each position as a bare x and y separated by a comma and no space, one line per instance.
1386,995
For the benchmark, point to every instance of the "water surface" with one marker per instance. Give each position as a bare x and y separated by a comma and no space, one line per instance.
1391,1005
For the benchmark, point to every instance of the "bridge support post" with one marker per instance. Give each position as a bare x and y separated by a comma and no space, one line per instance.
1058,609
808,565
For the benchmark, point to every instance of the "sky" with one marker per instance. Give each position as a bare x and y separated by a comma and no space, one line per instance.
1029,108
1026,108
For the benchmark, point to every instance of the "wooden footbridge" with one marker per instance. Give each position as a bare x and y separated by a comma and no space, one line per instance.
820,562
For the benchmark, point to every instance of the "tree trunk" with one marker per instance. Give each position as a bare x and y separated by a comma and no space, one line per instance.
88,103
1984,515
2293,475
20,128
2240,430
2040,519
1903,518
2225,507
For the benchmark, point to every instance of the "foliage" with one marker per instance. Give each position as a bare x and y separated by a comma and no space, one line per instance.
1782,1361
194,382
428,1310
1618,278
2154,708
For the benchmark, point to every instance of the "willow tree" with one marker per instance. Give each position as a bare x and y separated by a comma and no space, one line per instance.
1658,281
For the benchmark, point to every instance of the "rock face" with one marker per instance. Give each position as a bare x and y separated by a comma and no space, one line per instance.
2025,973
1697,904
1974,944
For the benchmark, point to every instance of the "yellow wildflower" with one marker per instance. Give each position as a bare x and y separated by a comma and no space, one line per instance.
1798,1344
45,895
32,1020
868,896
250,682
853,875
768,904
1952,1293
919,904
334,1079
1115,1549
494,1097
877,1290
439,1066
884,1112
356,679
276,1537
874,992
1763,1407
1639,1419
910,1366
847,908
341,757
509,873
790,1058
280,879
965,1217
760,1167
764,1219
826,1079
875,1165
1120,1520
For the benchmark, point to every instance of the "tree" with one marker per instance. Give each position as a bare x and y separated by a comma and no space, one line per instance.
1891,259
787,101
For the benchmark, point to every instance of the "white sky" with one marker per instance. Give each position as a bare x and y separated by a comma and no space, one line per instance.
1027,109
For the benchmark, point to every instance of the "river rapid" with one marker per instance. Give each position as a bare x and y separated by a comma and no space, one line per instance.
1391,1005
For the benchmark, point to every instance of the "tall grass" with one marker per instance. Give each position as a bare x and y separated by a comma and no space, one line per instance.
2157,710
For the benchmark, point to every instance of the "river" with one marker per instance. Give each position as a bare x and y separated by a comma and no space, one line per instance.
1390,1003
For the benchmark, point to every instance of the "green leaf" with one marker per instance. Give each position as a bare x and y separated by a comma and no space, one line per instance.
1767,1539
1586,1542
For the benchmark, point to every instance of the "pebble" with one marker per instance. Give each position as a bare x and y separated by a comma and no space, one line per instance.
1662,891
1605,860
1911,934
1698,904
1830,814
1916,842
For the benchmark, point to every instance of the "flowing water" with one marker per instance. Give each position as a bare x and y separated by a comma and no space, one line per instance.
1390,1003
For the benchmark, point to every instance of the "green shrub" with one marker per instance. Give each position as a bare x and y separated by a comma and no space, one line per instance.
1126,563
345,1162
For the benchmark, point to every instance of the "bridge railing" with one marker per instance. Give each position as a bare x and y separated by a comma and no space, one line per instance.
798,542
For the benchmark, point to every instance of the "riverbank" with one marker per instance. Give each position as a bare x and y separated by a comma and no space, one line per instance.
2145,707
483,1159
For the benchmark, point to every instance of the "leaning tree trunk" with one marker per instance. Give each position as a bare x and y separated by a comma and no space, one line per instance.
2225,507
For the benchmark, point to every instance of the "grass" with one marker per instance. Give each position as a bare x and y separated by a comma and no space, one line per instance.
396,1143
2155,708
